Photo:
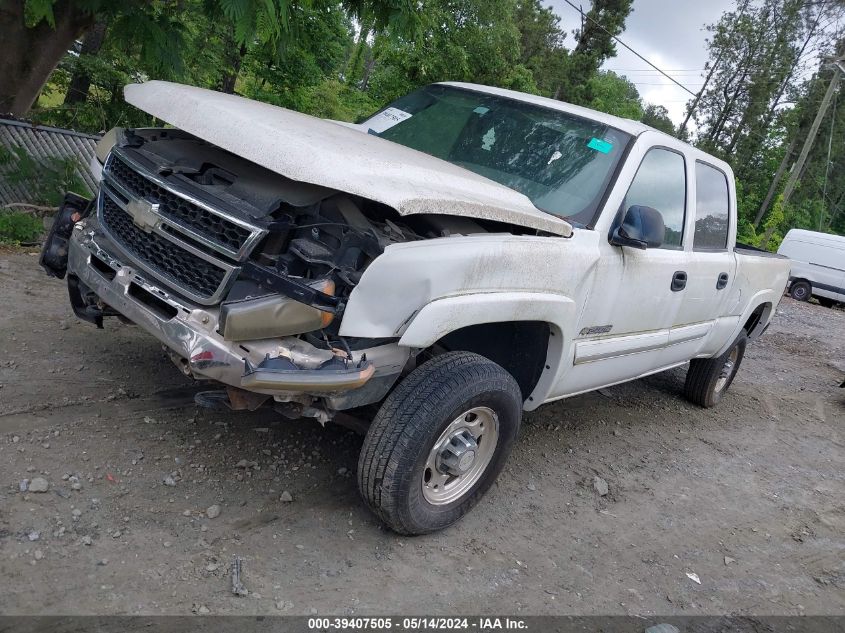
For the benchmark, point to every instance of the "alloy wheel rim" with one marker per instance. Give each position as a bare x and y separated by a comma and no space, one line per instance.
460,456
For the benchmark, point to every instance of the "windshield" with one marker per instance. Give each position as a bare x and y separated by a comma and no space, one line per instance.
562,162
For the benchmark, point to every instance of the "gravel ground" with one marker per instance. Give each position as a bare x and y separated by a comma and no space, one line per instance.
749,498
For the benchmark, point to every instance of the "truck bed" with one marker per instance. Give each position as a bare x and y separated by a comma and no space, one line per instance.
747,249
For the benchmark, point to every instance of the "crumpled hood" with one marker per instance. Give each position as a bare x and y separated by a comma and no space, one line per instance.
340,157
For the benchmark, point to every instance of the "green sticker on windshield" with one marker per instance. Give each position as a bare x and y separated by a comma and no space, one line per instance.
600,146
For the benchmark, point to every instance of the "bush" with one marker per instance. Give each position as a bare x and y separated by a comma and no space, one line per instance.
19,228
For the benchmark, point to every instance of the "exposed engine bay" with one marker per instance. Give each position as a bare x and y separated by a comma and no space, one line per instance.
317,242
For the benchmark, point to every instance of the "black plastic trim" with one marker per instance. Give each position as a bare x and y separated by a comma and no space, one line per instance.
289,287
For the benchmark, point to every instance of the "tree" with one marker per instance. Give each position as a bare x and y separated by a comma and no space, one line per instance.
459,40
657,116
615,95
33,44
37,33
541,45
757,107
286,75
80,83
595,44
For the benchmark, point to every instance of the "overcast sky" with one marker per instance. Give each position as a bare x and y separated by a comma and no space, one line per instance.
670,34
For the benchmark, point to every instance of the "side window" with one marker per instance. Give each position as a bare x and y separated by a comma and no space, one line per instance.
661,184
712,208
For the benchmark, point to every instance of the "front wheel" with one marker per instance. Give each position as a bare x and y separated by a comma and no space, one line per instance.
709,378
438,442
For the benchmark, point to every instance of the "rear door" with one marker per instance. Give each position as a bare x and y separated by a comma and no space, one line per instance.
712,264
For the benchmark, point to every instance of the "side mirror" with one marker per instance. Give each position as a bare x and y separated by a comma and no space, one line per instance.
642,227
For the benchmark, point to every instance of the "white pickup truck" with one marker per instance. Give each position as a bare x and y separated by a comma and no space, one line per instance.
464,255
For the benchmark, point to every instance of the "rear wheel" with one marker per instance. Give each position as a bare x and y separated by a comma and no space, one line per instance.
439,442
800,290
709,378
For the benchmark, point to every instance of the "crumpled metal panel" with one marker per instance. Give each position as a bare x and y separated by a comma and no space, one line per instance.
43,143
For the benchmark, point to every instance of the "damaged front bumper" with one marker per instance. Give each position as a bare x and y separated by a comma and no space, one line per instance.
191,333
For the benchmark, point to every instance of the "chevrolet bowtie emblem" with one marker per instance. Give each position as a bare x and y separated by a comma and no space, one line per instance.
144,213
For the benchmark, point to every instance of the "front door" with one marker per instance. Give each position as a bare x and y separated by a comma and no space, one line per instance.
637,294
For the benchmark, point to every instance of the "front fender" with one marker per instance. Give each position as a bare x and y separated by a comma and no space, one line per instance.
399,284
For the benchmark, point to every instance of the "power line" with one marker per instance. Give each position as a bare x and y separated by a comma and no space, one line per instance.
598,24
651,70
645,83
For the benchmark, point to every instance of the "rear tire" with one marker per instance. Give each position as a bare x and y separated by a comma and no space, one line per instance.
801,290
424,462
709,378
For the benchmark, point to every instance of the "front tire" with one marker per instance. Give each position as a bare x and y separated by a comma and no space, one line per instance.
801,290
709,378
438,442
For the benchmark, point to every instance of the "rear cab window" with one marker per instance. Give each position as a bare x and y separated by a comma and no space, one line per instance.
712,208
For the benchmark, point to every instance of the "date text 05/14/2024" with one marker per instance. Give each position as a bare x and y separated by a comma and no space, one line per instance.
417,624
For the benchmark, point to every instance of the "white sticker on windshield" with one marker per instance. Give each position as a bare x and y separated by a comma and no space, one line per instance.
488,139
386,119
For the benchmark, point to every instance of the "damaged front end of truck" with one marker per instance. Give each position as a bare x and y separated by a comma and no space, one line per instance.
242,274
239,238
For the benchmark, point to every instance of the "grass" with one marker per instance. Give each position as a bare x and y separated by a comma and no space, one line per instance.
19,228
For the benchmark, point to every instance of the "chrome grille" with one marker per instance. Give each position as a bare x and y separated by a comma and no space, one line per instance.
212,226
165,258
169,233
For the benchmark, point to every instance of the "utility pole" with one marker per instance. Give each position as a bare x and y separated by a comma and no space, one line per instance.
797,168
811,137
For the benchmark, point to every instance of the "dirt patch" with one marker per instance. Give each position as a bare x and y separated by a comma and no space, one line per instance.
750,496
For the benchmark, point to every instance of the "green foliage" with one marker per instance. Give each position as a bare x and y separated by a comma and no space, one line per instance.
333,99
657,116
615,95
759,102
460,40
37,10
48,180
594,45
542,49
19,228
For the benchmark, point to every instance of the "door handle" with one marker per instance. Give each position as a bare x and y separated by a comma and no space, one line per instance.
679,281
722,282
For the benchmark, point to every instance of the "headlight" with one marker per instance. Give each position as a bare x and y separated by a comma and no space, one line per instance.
105,144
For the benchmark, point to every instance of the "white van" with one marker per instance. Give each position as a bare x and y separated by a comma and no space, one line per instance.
818,265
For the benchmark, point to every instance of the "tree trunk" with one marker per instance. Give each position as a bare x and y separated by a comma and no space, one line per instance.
230,76
368,70
31,54
80,82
